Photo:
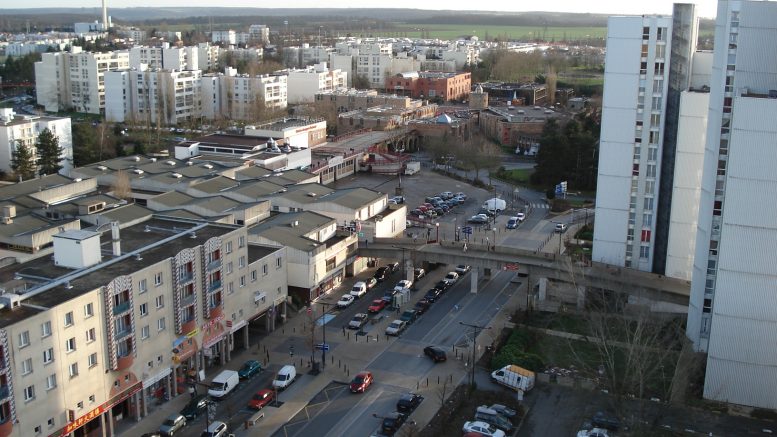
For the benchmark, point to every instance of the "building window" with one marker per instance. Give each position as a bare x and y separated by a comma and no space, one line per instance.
242,281
278,262
644,252
143,309
27,366
160,302
228,269
144,332
29,393
70,344
88,310
648,204
91,397
230,288
80,405
24,339
69,319
160,324
229,247
51,382
264,270
73,370
45,329
90,335
48,355
253,275
158,279
37,430
142,286
241,262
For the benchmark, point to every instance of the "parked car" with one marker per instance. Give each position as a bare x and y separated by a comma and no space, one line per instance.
490,416
398,199
216,429
512,223
446,195
381,273
477,220
377,306
361,382
345,301
605,420
487,212
285,377
173,424
462,269
408,316
451,278
388,295
359,289
404,284
371,282
520,216
461,195
393,267
249,369
432,295
392,422
561,227
223,384
504,410
358,320
596,432
442,285
396,327
418,273
195,407
261,398
435,353
421,306
408,402
483,429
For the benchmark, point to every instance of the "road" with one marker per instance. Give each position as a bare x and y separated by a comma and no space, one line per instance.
402,367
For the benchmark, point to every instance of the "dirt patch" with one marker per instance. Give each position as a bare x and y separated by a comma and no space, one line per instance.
460,407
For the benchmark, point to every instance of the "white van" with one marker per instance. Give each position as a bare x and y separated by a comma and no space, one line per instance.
517,378
223,384
285,377
359,289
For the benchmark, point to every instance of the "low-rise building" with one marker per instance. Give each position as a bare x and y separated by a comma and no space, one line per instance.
382,117
431,85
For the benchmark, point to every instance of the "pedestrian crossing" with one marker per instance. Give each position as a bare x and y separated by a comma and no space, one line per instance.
538,205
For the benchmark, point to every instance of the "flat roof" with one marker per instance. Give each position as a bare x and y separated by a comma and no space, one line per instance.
8,192
259,251
77,234
279,229
353,198
238,141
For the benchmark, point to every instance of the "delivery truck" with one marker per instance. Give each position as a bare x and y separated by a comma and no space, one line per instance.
495,205
517,378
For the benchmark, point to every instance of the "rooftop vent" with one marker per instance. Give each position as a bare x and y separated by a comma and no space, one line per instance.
171,163
208,166
138,171
311,194
153,159
189,162
294,224
137,159
77,180
176,175
102,168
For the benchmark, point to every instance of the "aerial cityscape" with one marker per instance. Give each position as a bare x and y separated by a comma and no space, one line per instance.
352,220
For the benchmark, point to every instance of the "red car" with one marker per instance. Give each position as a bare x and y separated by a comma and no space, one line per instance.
377,305
261,398
361,382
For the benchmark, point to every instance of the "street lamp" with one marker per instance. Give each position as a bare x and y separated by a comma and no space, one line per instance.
323,328
475,331
437,238
494,242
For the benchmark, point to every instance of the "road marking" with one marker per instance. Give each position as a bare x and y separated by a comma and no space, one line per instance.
358,409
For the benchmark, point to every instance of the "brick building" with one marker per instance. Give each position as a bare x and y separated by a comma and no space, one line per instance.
431,85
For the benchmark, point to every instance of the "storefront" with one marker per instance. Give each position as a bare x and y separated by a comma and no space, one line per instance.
103,416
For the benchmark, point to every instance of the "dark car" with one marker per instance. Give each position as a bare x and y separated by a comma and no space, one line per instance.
418,273
409,316
439,210
421,306
604,420
436,354
486,212
433,294
381,273
393,267
442,285
195,407
249,369
361,382
408,402
392,422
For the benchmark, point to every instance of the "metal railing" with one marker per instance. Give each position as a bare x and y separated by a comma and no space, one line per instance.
120,308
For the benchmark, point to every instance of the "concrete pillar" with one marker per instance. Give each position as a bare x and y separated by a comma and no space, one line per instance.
473,280
144,400
137,405
245,336
230,345
267,322
542,289
223,350
103,425
110,422
172,384
409,269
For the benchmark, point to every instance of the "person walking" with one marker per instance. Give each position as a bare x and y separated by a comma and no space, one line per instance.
464,249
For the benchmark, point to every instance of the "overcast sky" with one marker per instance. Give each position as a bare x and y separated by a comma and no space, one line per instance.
706,7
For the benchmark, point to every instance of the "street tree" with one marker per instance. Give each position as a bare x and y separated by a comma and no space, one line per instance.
50,154
122,187
22,161
477,153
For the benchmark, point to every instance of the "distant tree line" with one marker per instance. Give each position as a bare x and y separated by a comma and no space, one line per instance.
19,68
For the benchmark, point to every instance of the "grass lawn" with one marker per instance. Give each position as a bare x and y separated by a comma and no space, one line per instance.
453,31
518,176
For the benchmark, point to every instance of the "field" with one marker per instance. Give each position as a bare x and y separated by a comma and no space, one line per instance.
453,31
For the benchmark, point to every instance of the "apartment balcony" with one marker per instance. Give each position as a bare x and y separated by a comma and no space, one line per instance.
5,392
186,277
122,334
215,285
188,300
124,362
214,265
122,308
216,312
189,326
6,428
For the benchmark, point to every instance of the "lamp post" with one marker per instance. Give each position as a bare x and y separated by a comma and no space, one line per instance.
476,329
494,230
437,238
323,329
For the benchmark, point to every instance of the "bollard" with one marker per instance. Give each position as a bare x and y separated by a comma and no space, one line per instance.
451,375
356,338
427,381
338,364
300,362
294,329
438,379
417,385
333,359
349,336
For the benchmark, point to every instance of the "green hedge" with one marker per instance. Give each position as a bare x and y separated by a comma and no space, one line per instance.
515,352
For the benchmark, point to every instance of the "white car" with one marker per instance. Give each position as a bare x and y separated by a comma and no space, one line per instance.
404,284
345,301
461,195
450,278
359,289
462,269
596,432
358,320
520,216
561,227
396,327
483,428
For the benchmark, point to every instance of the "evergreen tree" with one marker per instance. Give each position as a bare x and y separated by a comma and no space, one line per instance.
22,161
49,152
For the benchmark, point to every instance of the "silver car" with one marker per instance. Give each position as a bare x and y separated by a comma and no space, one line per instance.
173,424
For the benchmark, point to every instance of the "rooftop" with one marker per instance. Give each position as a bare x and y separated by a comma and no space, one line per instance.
33,185
236,141
258,251
287,123
291,229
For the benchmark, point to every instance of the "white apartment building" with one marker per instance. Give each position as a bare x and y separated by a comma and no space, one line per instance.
74,80
731,315
250,54
26,128
165,57
171,97
259,34
207,56
304,84
227,37
374,62
239,96
639,134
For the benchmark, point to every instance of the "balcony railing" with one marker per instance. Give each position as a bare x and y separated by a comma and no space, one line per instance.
186,276
4,392
121,308
122,334
188,300
215,285
213,265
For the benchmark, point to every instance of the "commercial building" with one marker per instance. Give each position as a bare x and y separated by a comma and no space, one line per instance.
383,117
74,80
296,132
730,315
530,94
259,34
344,100
15,128
431,85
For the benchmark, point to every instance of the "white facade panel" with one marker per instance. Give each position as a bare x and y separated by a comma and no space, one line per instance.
618,127
621,91
615,160
741,383
746,305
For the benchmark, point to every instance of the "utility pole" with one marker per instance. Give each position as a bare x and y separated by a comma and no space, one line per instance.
476,329
323,328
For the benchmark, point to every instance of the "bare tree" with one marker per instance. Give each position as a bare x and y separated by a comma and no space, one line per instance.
477,153
551,78
122,187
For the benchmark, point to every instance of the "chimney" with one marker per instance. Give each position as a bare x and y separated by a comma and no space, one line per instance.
105,17
115,241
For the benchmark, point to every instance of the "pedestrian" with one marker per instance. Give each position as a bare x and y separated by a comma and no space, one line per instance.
343,329
465,247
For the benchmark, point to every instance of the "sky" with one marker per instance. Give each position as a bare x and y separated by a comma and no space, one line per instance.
632,7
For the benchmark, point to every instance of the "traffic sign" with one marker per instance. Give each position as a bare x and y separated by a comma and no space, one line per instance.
322,346
467,230
510,267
